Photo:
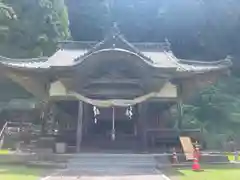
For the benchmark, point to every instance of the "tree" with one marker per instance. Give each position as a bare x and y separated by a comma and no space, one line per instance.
39,26
6,13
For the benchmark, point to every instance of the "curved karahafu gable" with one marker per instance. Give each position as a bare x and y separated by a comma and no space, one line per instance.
111,69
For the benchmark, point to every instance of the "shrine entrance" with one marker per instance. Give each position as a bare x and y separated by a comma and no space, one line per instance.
142,127
109,128
103,122
112,128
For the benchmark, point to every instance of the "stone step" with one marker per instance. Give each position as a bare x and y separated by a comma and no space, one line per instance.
115,161
97,165
120,159
112,155
112,160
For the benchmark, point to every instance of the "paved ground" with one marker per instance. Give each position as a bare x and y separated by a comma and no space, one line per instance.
104,175
109,168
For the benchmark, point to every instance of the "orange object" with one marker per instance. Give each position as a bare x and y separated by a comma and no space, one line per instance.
196,166
196,155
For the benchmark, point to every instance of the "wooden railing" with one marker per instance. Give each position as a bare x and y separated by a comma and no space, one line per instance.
172,132
20,125
172,135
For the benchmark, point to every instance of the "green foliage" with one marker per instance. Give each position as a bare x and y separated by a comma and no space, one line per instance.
88,19
6,11
196,28
216,109
39,26
29,28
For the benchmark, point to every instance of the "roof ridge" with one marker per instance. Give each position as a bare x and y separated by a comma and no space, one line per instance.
89,44
175,60
115,49
114,35
225,61
21,60
137,51
90,51
76,44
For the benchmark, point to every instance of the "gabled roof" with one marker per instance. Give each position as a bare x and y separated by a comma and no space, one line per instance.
157,55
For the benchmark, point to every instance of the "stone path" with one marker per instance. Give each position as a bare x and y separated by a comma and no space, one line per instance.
109,167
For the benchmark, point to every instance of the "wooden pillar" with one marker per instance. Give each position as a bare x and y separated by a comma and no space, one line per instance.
50,118
142,125
87,118
79,127
180,114
113,134
179,106
43,115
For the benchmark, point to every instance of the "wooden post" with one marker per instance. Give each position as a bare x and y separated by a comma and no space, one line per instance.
79,127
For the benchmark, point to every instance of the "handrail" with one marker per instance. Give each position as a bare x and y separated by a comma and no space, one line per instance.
3,129
2,132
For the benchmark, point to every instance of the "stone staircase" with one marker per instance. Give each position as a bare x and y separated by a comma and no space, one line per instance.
112,162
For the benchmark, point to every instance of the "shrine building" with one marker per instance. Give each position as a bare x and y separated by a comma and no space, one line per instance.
113,93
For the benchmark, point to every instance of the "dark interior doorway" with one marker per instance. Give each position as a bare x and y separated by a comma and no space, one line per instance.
99,126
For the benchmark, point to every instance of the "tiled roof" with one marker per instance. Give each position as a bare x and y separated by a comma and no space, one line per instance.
67,57
157,55
167,59
202,66
25,63
63,57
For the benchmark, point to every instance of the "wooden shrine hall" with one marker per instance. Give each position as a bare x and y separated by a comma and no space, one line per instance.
112,93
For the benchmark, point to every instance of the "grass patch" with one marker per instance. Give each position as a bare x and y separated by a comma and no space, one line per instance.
211,174
3,152
20,173
232,158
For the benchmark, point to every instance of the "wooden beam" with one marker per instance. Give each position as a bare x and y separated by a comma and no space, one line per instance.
79,127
